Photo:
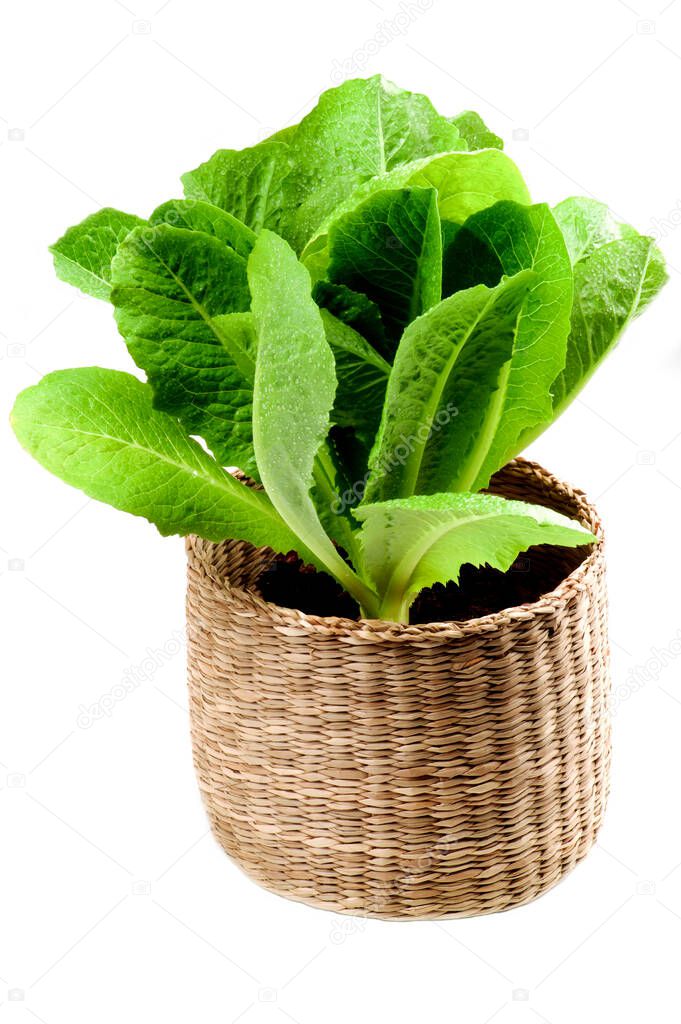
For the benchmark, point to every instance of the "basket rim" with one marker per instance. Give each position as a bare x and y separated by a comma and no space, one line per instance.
378,630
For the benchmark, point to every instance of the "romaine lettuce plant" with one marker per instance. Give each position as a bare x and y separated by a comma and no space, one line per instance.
368,316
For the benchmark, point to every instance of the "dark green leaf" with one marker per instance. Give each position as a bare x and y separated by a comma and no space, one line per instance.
362,376
355,310
171,286
390,249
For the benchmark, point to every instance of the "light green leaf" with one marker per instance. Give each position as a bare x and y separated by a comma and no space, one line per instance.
246,183
83,255
654,279
617,272
588,225
441,406
612,285
468,182
97,430
473,129
412,543
503,240
366,126
283,135
295,385
171,287
390,249
196,215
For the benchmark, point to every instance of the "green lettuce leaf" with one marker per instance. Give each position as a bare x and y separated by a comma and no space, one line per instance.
586,224
503,240
441,406
196,215
469,182
247,183
83,255
366,126
617,272
390,249
362,129
97,430
293,180
411,543
294,391
475,132
171,288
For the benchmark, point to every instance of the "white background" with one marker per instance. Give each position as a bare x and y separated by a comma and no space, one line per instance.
116,903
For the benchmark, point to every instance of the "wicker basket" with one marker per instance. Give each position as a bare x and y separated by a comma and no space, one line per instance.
395,771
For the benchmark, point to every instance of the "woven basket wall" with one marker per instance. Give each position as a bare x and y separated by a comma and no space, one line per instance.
403,771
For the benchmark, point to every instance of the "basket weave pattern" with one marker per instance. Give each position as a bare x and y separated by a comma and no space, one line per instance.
403,771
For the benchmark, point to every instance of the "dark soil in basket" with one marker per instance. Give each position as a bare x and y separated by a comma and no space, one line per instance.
289,583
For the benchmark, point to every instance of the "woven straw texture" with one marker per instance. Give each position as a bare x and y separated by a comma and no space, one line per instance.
397,771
